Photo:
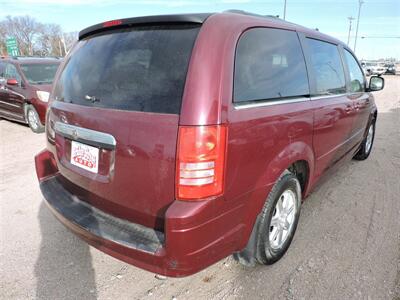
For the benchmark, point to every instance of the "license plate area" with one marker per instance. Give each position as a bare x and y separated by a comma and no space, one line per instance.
85,157
71,142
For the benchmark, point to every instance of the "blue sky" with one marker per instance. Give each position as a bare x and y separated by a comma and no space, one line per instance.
379,18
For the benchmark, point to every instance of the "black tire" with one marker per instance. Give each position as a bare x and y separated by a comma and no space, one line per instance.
32,117
265,252
365,150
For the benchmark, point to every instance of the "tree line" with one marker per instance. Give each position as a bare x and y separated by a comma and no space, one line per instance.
35,38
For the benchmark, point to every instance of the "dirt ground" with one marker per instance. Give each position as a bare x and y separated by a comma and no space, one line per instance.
347,244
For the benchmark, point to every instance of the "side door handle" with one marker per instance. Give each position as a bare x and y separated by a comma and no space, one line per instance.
348,109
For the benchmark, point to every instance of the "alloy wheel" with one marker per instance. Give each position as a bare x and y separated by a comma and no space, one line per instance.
370,136
283,219
33,120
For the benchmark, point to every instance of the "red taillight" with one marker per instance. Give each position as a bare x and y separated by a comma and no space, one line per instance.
200,163
112,23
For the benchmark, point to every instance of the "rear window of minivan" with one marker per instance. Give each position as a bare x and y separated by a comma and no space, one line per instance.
137,69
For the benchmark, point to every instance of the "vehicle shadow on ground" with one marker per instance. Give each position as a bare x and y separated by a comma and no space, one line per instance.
64,268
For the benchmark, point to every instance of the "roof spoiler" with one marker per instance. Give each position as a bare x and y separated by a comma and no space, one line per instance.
183,18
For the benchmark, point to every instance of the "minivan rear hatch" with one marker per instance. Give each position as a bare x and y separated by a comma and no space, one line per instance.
114,118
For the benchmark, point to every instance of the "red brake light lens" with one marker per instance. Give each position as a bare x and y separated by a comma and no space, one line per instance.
201,160
112,23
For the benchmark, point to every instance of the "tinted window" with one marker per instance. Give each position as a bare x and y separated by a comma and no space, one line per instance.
141,69
355,73
39,73
327,67
2,67
269,65
11,72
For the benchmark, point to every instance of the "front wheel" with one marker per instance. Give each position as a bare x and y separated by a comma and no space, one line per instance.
33,119
366,145
279,219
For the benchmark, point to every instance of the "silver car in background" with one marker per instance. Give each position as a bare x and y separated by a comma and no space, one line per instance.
373,68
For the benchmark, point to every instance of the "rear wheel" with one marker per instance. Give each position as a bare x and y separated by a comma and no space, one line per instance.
33,119
279,219
366,145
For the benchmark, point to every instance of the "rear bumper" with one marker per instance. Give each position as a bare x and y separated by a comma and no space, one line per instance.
191,241
97,223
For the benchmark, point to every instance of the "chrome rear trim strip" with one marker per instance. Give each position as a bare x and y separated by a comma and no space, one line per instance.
239,106
327,96
86,136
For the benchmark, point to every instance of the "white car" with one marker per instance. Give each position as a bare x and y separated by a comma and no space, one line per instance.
372,68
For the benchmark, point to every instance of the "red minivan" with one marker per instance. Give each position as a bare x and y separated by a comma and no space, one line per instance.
175,141
25,83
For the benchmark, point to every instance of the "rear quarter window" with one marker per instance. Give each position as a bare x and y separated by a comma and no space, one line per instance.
137,69
327,67
269,65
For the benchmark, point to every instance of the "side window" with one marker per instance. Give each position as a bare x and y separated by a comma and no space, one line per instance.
357,83
11,72
269,64
2,65
327,67
2,79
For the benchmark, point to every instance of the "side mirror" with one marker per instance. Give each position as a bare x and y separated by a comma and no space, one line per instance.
12,81
376,83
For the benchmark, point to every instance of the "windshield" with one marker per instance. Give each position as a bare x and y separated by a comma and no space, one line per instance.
40,73
138,69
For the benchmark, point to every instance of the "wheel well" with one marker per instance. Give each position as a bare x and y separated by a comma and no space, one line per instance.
375,116
302,171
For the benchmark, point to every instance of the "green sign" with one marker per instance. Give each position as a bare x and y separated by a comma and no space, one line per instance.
12,47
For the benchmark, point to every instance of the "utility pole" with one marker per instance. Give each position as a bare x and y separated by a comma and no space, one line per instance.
284,11
360,2
348,37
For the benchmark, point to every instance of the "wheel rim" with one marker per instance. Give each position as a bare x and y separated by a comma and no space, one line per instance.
282,219
32,118
368,143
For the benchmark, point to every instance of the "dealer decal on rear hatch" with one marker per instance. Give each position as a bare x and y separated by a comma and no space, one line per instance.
85,156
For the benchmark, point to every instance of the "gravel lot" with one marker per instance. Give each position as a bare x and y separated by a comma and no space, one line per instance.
347,243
